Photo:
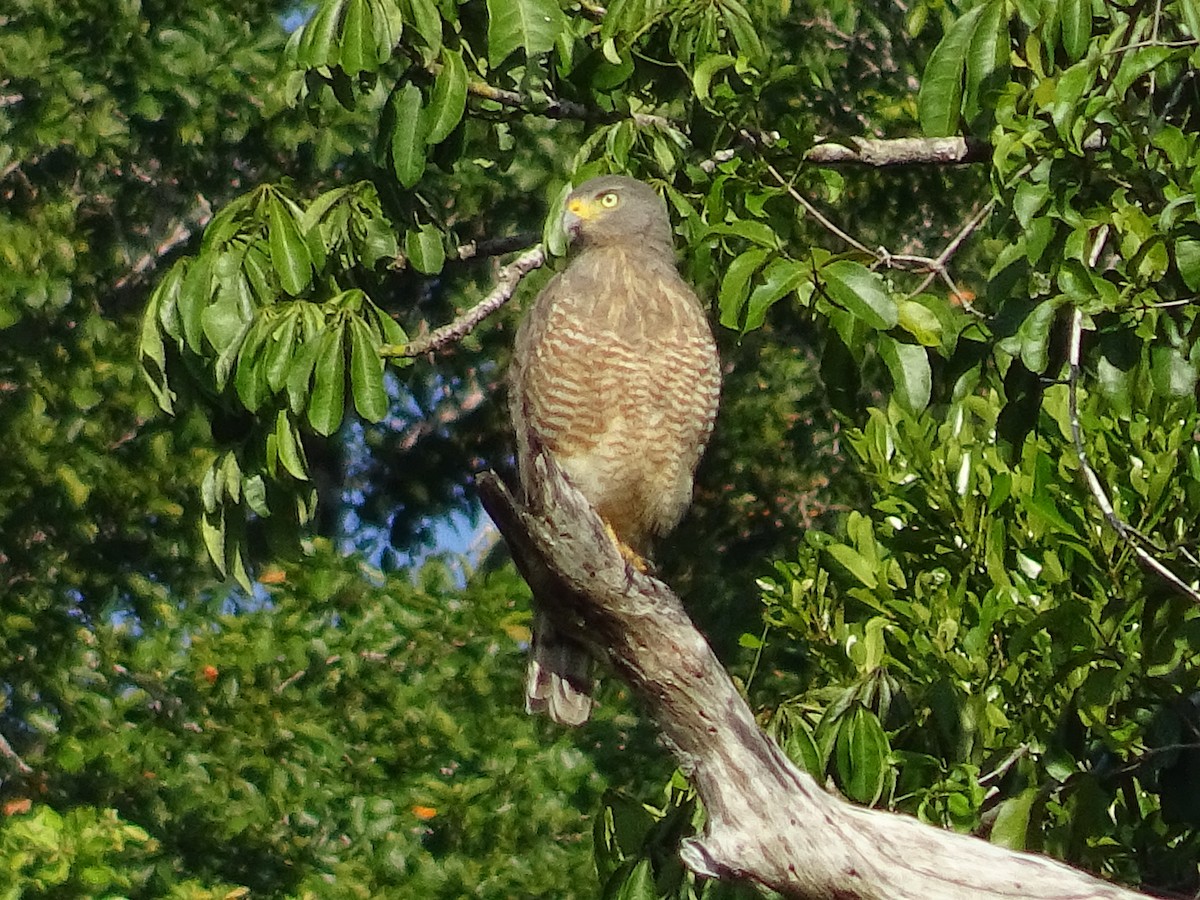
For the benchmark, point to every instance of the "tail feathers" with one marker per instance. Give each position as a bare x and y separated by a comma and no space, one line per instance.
559,678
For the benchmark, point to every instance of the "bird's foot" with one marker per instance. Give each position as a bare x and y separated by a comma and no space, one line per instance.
630,555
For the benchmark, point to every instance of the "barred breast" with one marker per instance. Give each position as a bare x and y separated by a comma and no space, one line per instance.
616,374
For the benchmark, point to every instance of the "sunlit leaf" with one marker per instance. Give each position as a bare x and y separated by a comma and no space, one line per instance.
327,401
366,372
856,288
449,98
529,25
408,135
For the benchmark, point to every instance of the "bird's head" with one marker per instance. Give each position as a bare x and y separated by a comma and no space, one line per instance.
613,209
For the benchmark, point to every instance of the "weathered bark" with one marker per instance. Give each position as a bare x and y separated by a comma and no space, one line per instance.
902,152
767,821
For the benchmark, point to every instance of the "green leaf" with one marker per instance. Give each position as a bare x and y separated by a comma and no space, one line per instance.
940,97
921,322
1173,373
425,250
861,752
194,295
744,31
554,236
780,278
289,253
317,39
1076,18
908,365
424,16
366,372
288,447
250,379
531,25
222,321
327,402
357,53
638,884
1191,17
854,564
1034,336
212,532
802,749
448,101
856,288
735,286
300,374
1187,258
278,351
987,56
1012,820
408,135
703,76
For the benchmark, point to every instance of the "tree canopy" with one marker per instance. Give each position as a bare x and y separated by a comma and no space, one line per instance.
944,533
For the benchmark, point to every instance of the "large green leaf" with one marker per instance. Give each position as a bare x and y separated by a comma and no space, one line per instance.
449,98
861,753
425,250
408,135
908,365
327,402
529,25
856,288
366,372
1076,17
939,100
289,251
358,52
735,286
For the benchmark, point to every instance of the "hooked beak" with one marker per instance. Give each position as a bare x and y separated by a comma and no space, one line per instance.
572,221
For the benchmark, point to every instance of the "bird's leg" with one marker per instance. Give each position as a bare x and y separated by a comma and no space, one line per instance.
630,555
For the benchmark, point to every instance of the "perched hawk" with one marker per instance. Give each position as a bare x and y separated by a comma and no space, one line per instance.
616,375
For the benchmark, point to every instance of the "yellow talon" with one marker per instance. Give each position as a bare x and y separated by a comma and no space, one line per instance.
630,555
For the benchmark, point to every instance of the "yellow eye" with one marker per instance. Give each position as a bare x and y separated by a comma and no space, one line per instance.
609,200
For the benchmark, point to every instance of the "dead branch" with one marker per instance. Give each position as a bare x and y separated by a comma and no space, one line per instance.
946,151
9,753
767,821
506,285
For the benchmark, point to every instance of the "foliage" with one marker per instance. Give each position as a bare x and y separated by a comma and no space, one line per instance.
953,629
340,729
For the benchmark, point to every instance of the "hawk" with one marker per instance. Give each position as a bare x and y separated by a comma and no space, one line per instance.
615,374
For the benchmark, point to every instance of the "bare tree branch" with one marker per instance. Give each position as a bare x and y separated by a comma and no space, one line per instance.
902,152
506,284
180,232
767,821
8,752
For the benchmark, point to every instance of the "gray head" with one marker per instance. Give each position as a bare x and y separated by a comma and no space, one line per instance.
613,209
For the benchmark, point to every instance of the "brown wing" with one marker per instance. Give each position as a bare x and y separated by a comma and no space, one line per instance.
614,373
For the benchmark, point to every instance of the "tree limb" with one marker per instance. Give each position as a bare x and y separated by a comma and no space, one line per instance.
902,152
506,285
767,821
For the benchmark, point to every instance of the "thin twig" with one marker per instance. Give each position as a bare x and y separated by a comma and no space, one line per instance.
181,232
817,214
1127,534
506,285
477,249
938,266
8,752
